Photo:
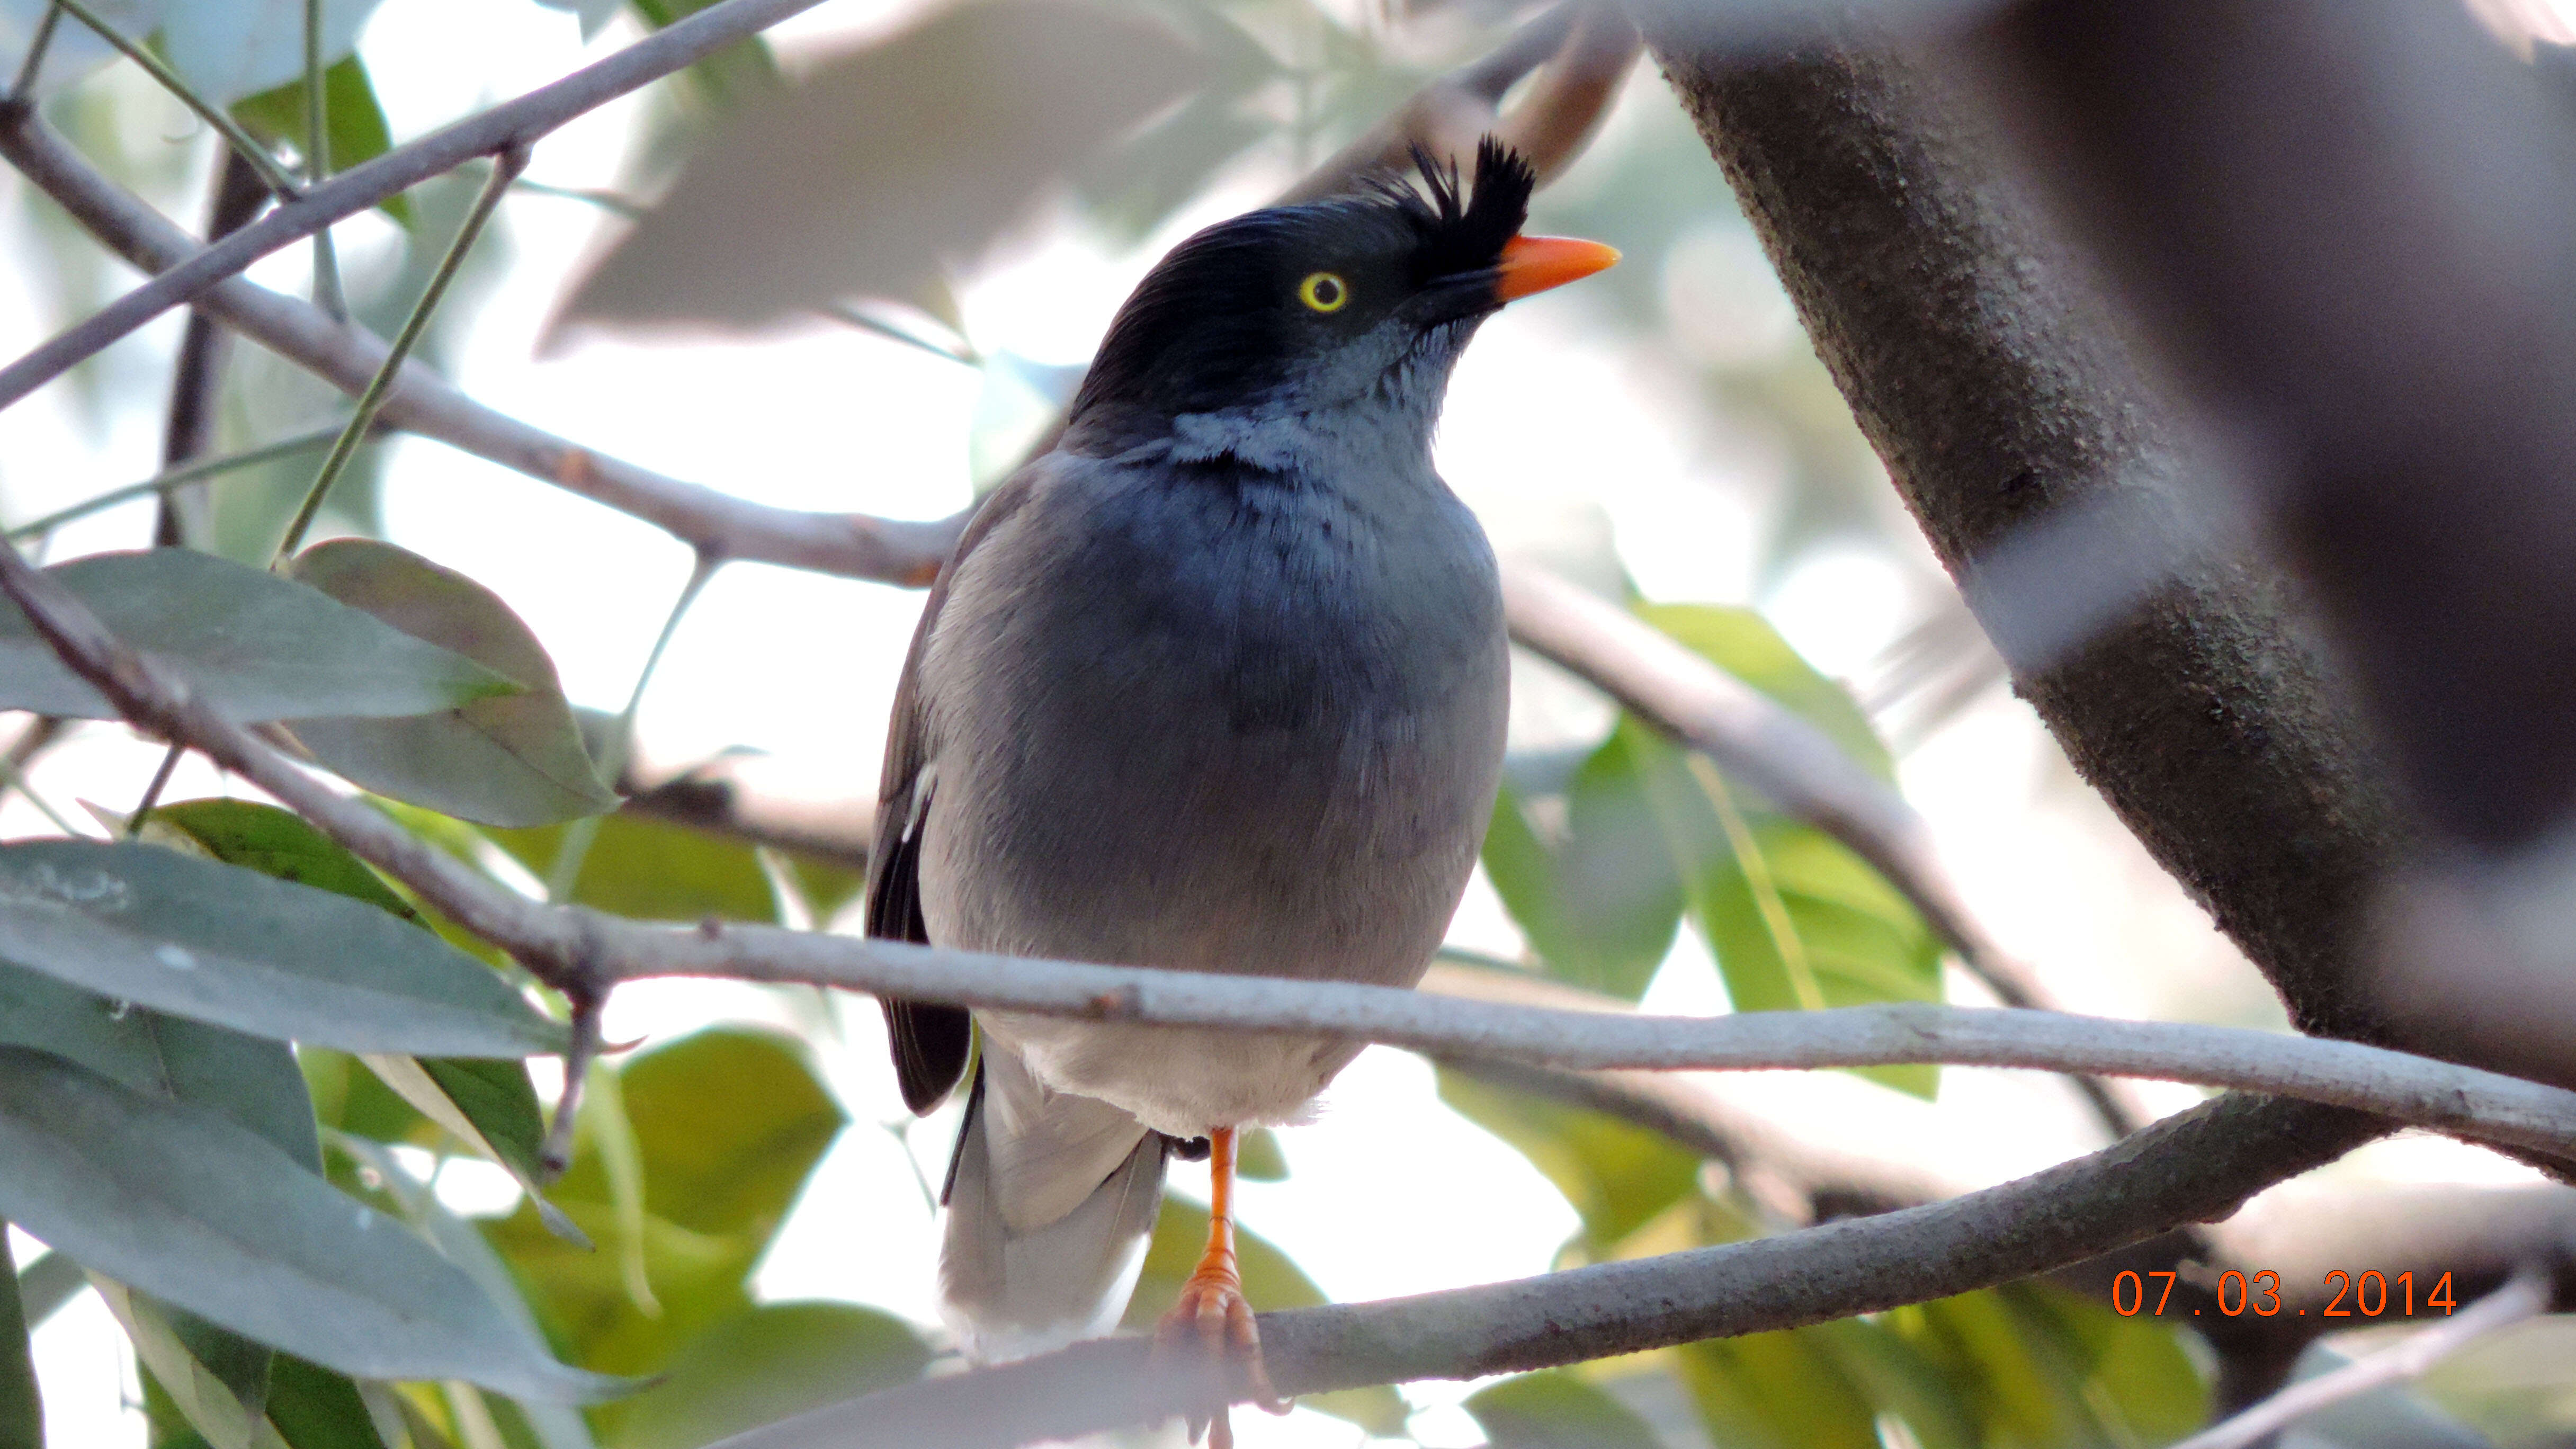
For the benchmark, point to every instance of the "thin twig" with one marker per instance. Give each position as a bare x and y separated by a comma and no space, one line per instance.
13,771
853,316
515,123
243,143
327,292
556,1153
152,792
197,380
23,91
2524,1296
178,477
574,849
504,166
1585,45
624,207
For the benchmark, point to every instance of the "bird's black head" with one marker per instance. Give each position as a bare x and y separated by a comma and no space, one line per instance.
1298,309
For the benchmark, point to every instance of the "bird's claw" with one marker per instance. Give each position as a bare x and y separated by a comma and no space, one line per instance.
1213,1319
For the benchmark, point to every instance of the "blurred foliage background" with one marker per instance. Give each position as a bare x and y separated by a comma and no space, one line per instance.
858,266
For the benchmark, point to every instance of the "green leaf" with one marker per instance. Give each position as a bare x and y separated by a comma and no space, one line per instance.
196,1393
551,1426
1270,1280
1597,894
776,1361
652,870
249,1079
727,1125
488,1104
1778,1391
1257,1157
1556,1410
1901,1382
224,944
314,1408
356,122
178,1200
729,1122
22,1410
826,885
1744,644
2039,1366
282,845
460,1094
1796,920
2135,1372
514,759
740,72
1618,1176
256,646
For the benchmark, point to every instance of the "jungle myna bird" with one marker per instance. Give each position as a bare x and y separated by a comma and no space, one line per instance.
1216,684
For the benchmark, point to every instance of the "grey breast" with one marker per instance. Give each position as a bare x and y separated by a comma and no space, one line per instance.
1202,716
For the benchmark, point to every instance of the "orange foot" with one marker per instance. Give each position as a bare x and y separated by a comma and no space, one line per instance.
1213,1320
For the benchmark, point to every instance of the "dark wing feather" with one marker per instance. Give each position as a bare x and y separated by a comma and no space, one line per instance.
931,1042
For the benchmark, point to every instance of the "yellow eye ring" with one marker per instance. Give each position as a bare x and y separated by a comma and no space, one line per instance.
1324,292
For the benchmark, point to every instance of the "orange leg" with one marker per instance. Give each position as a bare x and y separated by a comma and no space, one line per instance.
1212,1316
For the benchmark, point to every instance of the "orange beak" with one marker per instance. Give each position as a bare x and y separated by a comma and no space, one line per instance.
1535,263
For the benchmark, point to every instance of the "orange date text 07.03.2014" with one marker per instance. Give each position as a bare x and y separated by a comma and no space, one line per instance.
2365,1295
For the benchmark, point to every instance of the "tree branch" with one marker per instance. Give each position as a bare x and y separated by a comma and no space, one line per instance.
583,952
515,124
2196,1167
1580,49
714,797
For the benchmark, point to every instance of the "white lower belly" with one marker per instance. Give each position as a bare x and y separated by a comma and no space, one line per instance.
1185,1081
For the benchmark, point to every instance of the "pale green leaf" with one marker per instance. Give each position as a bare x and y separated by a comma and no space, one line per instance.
1556,1410
256,646
777,1361
22,1410
177,1200
228,945
513,759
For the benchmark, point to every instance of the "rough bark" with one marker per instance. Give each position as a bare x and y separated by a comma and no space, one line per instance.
2352,224
1997,387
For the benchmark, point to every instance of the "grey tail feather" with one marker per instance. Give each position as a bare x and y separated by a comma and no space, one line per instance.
1051,1198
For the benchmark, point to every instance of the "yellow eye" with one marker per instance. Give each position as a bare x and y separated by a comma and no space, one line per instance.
1324,292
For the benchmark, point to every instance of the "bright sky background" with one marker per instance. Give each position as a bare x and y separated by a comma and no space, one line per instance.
1547,423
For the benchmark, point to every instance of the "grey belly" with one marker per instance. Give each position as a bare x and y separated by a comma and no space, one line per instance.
1255,791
